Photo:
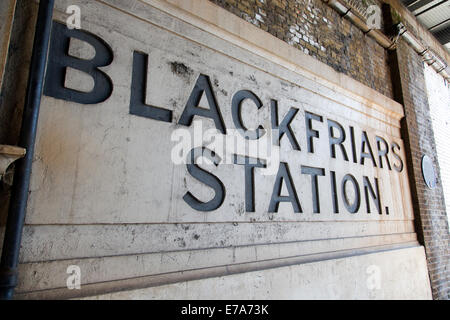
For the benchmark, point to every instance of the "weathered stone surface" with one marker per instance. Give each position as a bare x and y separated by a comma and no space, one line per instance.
105,142
347,278
102,267
106,196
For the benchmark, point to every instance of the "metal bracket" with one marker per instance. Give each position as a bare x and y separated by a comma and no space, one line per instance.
9,154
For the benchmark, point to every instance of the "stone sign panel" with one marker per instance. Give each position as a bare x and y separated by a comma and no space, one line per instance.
135,127
164,138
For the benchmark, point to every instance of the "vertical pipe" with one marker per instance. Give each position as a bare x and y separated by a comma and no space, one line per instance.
19,193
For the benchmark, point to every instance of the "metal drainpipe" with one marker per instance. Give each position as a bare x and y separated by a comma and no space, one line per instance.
439,65
346,12
433,60
19,192
428,56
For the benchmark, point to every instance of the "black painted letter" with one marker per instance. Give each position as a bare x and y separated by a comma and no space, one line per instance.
236,112
383,151
336,140
399,167
59,60
310,132
250,165
203,85
285,126
334,192
365,141
351,207
375,195
284,175
207,178
314,172
138,89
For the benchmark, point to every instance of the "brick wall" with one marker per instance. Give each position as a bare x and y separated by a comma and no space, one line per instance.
316,29
429,206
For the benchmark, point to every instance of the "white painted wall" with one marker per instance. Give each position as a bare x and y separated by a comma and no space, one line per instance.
439,100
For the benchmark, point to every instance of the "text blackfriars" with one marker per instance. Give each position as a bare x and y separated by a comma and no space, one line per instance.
344,143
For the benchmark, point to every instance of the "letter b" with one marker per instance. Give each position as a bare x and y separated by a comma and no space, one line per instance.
59,59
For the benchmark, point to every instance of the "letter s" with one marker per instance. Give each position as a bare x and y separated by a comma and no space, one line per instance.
207,178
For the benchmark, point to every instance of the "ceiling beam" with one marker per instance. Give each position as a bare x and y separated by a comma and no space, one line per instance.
431,8
417,4
443,35
439,24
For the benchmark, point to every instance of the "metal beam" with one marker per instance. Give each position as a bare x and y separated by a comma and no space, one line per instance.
443,35
439,24
418,4
431,8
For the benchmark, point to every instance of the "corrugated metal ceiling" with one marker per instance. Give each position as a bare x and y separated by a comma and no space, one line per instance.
434,15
